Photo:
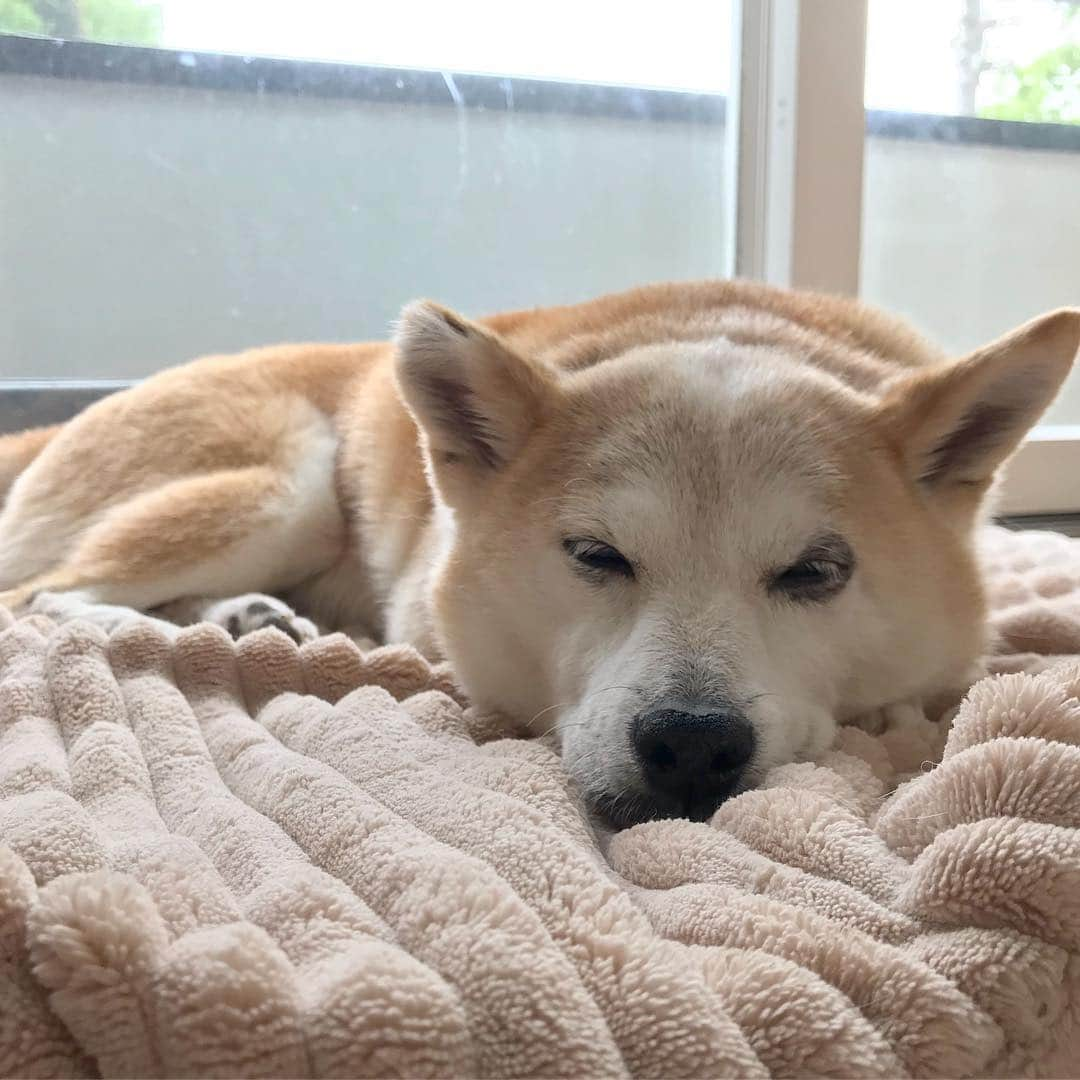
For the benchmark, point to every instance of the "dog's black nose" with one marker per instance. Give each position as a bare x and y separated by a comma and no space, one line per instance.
693,762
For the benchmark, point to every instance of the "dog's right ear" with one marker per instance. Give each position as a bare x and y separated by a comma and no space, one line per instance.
474,399
958,421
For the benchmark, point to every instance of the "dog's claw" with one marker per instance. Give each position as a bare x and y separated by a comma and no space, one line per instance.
243,615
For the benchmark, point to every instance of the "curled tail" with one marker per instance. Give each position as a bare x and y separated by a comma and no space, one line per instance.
18,450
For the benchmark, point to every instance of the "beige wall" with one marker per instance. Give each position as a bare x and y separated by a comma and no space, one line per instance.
140,226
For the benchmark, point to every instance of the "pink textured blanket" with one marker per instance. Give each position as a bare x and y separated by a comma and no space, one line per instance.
246,859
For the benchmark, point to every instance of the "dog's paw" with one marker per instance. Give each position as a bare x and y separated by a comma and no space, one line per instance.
900,714
242,615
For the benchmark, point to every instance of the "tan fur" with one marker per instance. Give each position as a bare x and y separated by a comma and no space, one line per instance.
166,528
18,450
717,421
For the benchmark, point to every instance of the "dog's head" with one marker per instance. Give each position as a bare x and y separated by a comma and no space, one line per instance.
692,559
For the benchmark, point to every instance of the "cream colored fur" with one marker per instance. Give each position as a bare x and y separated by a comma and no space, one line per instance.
712,433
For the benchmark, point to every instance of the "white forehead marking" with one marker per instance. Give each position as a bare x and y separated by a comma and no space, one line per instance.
726,369
720,461
719,406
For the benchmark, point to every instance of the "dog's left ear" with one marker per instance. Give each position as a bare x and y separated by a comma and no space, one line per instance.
473,397
957,422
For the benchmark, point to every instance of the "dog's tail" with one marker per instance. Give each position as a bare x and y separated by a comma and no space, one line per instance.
18,450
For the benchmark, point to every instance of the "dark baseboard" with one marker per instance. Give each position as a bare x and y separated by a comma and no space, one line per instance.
29,403
1069,524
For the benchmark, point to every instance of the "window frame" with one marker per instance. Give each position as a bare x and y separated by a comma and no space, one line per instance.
798,206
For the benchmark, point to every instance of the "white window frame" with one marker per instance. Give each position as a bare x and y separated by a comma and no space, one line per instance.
1044,476
795,204
798,141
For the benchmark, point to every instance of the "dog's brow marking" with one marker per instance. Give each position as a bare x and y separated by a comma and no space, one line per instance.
828,543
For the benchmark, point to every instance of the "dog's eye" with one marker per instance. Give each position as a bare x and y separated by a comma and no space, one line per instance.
818,575
596,558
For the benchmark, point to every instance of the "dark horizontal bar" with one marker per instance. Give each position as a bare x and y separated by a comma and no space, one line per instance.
64,59
1069,524
26,55
40,403
1009,134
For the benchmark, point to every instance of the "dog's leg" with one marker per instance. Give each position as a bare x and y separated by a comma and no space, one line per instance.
238,615
207,536
65,606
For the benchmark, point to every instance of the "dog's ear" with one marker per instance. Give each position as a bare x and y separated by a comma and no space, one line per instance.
474,399
955,423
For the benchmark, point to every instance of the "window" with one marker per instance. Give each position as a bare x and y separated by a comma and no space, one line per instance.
176,200
969,208
193,175
684,47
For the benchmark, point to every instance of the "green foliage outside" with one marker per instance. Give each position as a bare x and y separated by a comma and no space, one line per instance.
20,17
128,21
1048,89
131,22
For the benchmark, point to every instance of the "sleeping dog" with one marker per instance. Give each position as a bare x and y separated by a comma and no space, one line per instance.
690,527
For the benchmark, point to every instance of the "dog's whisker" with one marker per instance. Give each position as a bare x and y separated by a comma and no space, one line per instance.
587,697
557,726
543,712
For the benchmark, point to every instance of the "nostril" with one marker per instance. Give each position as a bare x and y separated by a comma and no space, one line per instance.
721,762
661,757
734,753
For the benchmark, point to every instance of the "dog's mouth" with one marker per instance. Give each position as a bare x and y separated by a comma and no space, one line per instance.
624,809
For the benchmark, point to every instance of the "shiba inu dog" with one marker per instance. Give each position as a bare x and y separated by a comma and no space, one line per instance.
690,526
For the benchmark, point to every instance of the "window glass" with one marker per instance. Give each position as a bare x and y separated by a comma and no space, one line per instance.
972,166
209,202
